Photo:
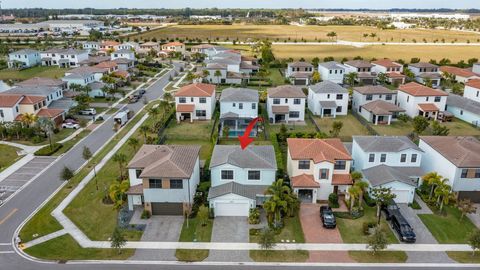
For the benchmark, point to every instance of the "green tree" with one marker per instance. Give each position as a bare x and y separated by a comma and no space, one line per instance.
420,124
409,74
144,129
351,78
226,131
218,74
117,192
66,173
439,130
382,78
203,215
277,203
433,179
134,143
46,125
117,240
428,82
86,153
362,187
382,196
316,77
443,192
354,193
378,240
266,239
336,128
121,160
474,241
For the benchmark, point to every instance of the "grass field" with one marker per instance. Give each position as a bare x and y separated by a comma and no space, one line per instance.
279,255
8,156
351,126
195,232
50,72
464,257
292,231
379,257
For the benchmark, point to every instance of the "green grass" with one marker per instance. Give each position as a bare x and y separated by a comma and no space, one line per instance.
352,229
379,257
198,130
291,231
62,134
50,72
461,128
65,248
279,255
195,232
8,156
308,127
464,256
441,226
71,143
276,77
205,150
397,128
351,126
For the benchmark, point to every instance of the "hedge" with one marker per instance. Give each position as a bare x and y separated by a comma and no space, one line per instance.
47,151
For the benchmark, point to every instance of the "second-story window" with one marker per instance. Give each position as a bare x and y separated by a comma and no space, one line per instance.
253,175
176,183
254,106
203,100
275,101
323,173
340,165
138,173
240,106
464,173
304,164
437,99
227,175
182,100
155,183
403,158
296,101
383,157
339,96
371,158
369,97
413,158
388,97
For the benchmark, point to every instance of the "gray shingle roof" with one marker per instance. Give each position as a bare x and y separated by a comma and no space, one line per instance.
463,103
286,91
383,174
385,143
300,64
239,95
423,65
328,87
328,104
32,90
254,156
247,191
25,51
332,65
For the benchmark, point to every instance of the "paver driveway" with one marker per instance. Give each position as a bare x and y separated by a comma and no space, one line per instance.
230,229
314,232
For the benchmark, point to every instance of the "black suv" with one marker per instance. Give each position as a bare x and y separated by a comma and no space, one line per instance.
399,223
328,219
390,209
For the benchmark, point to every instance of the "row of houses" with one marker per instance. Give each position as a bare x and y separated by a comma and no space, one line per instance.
163,178
111,46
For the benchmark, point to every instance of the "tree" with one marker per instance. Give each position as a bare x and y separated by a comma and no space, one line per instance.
86,153
117,191
351,78
443,193
28,119
353,192
428,82
316,77
134,143
362,187
410,75
336,128
144,129
121,159
439,130
117,240
190,76
420,123
377,241
205,73
46,125
474,241
262,73
217,75
332,35
433,179
382,196
203,215
382,78
66,173
277,203
266,239
226,131
466,206
315,61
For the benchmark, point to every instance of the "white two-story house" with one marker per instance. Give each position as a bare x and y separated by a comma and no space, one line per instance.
389,162
87,76
238,107
392,70
456,159
332,71
363,69
417,99
164,178
327,99
63,58
472,90
174,47
24,59
124,53
195,102
299,73
425,71
286,103
240,178
376,104
317,168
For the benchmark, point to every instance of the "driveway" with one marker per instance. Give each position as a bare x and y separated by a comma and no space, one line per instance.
314,232
230,229
475,217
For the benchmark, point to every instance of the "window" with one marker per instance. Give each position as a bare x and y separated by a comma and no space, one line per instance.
403,158
286,100
191,99
339,109
176,183
203,100
408,98
426,99
294,114
437,99
234,104
383,157
478,93
328,96
477,173
155,183
340,165
369,97
304,164
182,100
240,106
201,113
275,101
254,106
323,173
464,173
339,96
388,97
253,175
227,175
297,101
138,173
413,159
371,158
461,112
1,114
331,71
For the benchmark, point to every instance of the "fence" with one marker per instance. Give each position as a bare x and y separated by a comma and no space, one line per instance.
365,123
310,117
161,136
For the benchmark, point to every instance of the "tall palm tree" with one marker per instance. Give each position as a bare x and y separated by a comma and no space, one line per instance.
144,129
218,74
205,73
382,78
277,203
443,193
117,192
29,118
433,179
47,126
351,78
362,187
354,192
121,159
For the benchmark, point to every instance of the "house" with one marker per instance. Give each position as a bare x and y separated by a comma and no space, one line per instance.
124,64
425,71
363,69
174,47
108,45
376,104
201,48
229,67
94,60
164,178
238,106
108,66
149,46
461,75
88,76
327,99
129,45
48,93
476,68
317,168
9,107
24,59
63,58
465,109
240,178
418,99
332,71
286,103
91,46
124,53
299,73
195,102
392,70
472,90
456,159
389,162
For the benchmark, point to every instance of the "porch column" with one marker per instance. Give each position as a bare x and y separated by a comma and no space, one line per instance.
274,116
321,112
335,113
191,117
375,119
286,118
389,119
236,124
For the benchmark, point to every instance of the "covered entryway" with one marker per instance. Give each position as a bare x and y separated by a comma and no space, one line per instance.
185,112
167,209
328,108
232,209
305,187
305,195
280,113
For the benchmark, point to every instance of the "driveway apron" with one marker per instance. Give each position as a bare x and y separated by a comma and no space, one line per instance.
230,229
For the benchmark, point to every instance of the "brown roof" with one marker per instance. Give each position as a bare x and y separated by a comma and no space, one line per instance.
304,180
106,64
300,64
50,113
461,151
423,65
463,72
317,150
382,107
32,99
341,179
386,63
166,161
359,63
418,90
7,101
428,107
37,81
196,90
173,44
109,43
373,89
395,75
280,109
286,91
135,190
474,83
185,107
122,73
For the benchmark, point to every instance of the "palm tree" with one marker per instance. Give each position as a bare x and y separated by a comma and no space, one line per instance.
354,192
46,125
121,159
443,193
218,74
351,78
382,78
29,118
144,129
205,73
433,179
134,143
410,75
276,204
428,82
117,193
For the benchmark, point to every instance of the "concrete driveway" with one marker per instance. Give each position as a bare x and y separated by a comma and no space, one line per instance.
475,217
314,232
230,229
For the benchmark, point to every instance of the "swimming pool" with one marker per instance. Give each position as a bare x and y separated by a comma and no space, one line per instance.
236,133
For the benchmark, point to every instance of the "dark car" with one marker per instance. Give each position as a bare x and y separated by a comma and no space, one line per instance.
141,92
328,219
403,229
390,209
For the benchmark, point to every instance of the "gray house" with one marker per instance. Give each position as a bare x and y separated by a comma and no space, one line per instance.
238,106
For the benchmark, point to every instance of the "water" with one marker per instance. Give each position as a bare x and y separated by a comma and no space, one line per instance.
4,86
236,133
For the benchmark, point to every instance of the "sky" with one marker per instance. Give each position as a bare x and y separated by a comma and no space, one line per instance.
372,4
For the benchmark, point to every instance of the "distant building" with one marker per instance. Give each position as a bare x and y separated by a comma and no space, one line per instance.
24,59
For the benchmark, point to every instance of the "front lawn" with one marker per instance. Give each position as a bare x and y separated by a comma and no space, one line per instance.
379,257
60,135
71,143
464,256
352,229
195,232
8,156
39,71
292,231
279,255
448,229
351,126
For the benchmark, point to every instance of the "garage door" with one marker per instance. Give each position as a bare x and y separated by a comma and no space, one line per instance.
167,209
300,82
473,196
232,209
403,196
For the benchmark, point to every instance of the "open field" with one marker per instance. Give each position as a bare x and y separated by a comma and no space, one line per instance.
310,33
49,72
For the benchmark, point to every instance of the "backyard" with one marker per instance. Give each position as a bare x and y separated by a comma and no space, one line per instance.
20,75
8,157
351,126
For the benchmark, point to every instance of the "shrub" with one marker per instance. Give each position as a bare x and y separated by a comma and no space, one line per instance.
367,226
145,214
254,216
347,215
368,200
333,200
415,205
37,139
47,150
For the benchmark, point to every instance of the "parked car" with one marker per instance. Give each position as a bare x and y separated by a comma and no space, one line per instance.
403,229
390,209
133,99
142,92
89,111
70,124
327,216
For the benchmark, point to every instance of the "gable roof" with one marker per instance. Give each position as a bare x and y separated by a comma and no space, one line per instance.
304,180
463,72
175,161
331,65
359,63
49,113
239,94
106,64
386,63
464,103
8,101
461,151
173,44
418,90
317,150
32,90
40,81
196,90
254,156
474,83
286,91
423,65
373,89
383,174
32,99
247,191
328,87
384,144
300,64
381,107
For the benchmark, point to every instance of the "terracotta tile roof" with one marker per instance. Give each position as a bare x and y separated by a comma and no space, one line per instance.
423,65
342,179
285,91
135,190
50,113
474,83
395,75
386,63
304,180
458,71
317,150
185,107
464,152
196,90
8,101
428,107
122,73
418,90
109,43
173,44
32,99
106,64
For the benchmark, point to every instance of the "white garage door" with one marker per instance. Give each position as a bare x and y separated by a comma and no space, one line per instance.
232,209
403,196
